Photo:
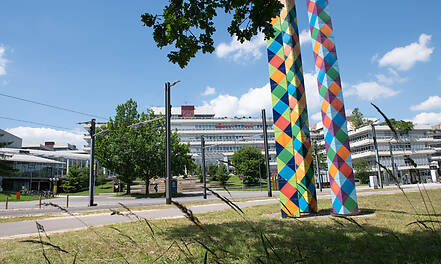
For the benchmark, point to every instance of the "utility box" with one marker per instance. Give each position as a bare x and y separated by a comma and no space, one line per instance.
174,185
373,182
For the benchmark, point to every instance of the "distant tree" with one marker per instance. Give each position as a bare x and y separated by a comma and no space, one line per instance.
222,174
139,152
321,155
401,126
6,168
197,171
357,119
211,171
77,179
189,26
362,169
247,161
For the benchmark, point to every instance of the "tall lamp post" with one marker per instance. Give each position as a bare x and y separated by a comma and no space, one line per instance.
204,176
267,158
167,142
377,156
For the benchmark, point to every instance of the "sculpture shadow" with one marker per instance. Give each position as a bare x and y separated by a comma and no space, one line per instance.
305,241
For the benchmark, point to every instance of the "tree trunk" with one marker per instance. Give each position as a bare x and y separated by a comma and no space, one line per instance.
147,186
128,188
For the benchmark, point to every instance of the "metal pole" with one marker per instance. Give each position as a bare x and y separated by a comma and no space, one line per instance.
377,156
167,144
204,176
92,162
394,172
260,177
265,141
317,166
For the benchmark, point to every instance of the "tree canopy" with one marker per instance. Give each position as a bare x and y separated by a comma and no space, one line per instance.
401,126
248,161
189,26
362,169
357,119
139,152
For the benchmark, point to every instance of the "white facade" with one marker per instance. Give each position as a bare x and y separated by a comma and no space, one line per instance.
422,144
223,136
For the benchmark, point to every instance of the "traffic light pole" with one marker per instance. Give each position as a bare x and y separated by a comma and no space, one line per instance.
92,162
204,177
167,144
267,158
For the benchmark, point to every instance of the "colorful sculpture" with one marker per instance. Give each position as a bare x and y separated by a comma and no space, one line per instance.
285,60
341,175
291,126
282,122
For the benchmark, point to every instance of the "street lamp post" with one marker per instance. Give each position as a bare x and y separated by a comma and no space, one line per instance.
204,176
168,195
377,156
265,143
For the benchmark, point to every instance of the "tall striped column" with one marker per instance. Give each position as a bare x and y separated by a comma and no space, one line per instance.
282,122
344,198
299,115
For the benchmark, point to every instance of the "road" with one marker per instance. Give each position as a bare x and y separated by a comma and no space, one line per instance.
110,201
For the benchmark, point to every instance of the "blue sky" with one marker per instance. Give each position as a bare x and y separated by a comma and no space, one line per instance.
92,55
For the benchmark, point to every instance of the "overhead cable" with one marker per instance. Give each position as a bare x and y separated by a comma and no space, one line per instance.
51,106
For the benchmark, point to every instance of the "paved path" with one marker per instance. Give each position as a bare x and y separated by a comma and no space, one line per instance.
60,224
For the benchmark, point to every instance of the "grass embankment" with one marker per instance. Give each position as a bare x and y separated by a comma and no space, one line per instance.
23,197
105,188
384,237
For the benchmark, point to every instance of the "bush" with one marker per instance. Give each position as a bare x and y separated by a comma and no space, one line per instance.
222,174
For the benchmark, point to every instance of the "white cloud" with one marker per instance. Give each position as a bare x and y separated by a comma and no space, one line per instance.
249,50
305,37
427,118
317,117
248,104
374,58
371,90
404,58
209,91
3,61
390,79
433,102
313,98
440,77
38,135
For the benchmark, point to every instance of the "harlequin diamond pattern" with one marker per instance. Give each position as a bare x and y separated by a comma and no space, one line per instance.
299,115
344,199
282,123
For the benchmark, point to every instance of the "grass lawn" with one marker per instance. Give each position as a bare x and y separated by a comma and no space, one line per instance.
105,188
225,237
23,197
235,184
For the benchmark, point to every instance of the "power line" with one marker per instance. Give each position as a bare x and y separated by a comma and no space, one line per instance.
51,106
35,123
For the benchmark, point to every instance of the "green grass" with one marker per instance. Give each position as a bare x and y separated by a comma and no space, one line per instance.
235,184
23,197
105,188
384,237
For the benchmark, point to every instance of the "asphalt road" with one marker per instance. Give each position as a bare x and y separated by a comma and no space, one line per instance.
60,224
110,201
